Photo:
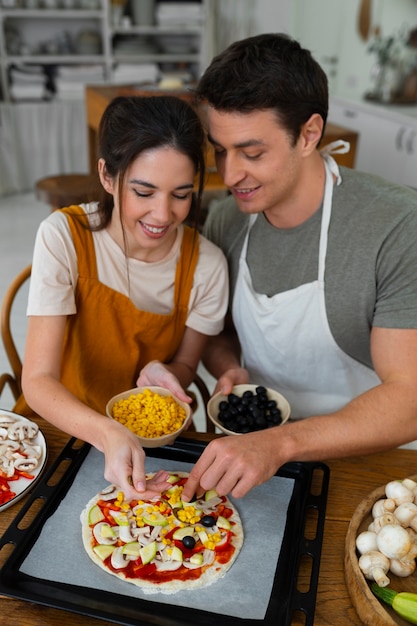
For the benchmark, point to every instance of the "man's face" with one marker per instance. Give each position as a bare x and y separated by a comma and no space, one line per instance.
256,159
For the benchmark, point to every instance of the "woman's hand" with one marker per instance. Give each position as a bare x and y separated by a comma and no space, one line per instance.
157,374
125,465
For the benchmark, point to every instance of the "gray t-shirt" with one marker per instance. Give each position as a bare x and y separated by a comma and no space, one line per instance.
371,263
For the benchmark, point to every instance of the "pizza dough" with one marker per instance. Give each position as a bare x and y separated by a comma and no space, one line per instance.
164,545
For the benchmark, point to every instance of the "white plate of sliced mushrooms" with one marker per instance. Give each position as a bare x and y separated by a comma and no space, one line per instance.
22,456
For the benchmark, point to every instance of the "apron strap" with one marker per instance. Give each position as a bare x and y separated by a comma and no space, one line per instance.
335,147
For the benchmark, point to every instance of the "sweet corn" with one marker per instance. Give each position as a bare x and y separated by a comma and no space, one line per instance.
148,414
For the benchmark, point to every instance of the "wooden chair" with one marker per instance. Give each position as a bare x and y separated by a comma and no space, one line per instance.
14,379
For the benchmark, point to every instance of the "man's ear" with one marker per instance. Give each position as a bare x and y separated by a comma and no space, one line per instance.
311,133
105,179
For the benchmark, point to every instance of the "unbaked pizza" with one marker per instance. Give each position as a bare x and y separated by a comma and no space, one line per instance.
164,545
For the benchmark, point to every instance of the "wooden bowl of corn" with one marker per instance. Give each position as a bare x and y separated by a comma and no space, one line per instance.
152,413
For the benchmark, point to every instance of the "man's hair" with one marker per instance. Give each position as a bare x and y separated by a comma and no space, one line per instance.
268,71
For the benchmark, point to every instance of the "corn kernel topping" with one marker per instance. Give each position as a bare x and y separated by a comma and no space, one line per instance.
149,415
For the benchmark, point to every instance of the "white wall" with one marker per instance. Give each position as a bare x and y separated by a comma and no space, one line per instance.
326,27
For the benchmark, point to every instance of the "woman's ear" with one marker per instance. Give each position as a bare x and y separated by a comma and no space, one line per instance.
311,133
105,179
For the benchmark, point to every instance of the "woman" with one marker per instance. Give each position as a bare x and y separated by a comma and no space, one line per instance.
122,293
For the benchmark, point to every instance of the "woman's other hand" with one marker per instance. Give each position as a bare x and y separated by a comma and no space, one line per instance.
157,374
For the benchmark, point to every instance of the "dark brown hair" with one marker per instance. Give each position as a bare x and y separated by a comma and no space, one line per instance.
268,71
131,125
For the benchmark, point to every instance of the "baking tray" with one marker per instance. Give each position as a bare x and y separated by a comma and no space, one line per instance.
300,543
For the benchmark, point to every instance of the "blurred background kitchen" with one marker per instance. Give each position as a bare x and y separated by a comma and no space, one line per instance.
51,49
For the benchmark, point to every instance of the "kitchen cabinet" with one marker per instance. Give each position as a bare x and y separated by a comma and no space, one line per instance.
387,142
87,34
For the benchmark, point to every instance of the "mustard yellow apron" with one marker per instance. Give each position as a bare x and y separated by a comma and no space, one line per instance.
108,341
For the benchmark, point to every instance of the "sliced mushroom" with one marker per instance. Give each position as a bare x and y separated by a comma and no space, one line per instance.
4,433
125,534
8,447
108,493
26,465
107,538
32,450
7,466
23,430
6,420
118,559
167,566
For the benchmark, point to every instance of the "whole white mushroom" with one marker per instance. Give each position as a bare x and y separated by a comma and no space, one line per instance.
393,541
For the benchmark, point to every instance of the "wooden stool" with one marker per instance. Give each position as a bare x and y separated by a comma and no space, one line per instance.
66,189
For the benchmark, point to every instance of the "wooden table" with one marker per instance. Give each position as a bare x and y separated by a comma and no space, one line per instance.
98,97
350,481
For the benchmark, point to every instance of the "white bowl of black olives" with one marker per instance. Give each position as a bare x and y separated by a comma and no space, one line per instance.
247,409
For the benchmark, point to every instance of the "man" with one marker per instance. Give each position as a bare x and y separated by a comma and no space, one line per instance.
323,272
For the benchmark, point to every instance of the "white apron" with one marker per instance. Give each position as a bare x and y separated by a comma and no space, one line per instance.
286,339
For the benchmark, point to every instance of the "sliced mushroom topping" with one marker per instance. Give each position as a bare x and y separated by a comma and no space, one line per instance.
104,533
125,534
108,493
118,559
167,566
141,532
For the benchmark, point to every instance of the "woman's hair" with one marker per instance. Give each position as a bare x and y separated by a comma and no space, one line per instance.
131,125
268,71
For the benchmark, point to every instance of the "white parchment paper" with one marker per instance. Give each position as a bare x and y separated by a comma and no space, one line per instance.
243,592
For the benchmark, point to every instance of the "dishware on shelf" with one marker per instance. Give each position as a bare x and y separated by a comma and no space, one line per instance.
143,12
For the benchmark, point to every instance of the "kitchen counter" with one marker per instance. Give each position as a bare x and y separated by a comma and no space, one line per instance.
350,481
401,113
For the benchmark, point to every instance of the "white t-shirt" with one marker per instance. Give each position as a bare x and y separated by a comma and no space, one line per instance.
150,286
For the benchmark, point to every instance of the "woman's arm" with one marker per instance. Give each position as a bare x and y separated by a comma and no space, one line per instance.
179,373
124,457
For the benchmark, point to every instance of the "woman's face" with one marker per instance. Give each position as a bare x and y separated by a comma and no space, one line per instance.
157,198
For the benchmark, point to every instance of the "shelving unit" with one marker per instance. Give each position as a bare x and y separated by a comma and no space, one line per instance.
53,38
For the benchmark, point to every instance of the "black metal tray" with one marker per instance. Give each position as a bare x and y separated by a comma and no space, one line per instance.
308,502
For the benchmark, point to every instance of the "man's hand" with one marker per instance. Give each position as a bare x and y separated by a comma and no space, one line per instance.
234,464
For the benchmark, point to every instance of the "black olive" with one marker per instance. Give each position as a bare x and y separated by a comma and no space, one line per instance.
208,520
233,399
250,412
188,542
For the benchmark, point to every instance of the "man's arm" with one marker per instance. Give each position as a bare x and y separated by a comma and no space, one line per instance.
222,359
382,418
